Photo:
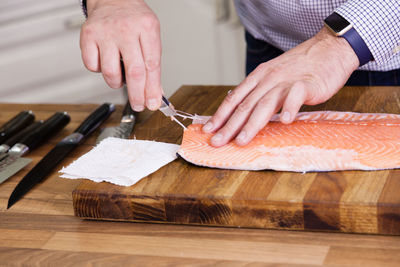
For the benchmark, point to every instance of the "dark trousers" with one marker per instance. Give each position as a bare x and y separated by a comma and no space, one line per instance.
259,51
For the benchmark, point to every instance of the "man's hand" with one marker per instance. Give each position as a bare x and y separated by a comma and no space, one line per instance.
309,74
126,29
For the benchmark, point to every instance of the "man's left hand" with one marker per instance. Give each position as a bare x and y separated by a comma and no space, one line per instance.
310,74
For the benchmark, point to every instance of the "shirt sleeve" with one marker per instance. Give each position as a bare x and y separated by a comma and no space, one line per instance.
84,7
378,23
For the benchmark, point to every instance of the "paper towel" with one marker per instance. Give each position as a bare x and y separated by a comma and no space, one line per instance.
121,161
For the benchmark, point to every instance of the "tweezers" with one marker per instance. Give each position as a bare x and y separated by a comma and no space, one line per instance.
168,110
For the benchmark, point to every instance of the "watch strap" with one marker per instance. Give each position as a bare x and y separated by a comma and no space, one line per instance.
359,46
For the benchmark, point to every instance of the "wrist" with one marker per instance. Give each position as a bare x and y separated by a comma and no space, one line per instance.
94,4
88,6
339,26
341,48
91,5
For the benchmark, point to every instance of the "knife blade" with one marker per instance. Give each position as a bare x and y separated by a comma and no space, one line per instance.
17,138
41,170
14,161
124,129
14,125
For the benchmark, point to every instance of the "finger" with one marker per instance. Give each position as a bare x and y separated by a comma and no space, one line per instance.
89,50
293,102
151,48
135,74
231,101
268,105
240,115
110,64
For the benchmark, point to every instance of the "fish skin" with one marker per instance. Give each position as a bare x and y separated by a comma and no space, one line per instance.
315,141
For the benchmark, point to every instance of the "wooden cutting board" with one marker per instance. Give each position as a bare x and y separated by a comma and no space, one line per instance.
342,201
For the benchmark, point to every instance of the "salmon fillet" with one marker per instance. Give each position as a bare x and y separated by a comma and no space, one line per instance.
315,141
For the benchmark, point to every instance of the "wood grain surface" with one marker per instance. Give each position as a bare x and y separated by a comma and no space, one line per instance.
342,201
41,229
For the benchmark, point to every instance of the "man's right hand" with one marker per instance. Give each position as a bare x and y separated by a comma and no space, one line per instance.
130,30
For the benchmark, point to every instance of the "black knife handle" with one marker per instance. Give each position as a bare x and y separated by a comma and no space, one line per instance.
95,119
20,121
128,110
50,126
17,137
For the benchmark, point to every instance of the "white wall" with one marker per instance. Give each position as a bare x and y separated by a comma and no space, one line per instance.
40,57
196,48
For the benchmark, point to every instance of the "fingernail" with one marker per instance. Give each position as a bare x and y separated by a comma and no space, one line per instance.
216,138
138,108
152,103
208,127
286,116
241,137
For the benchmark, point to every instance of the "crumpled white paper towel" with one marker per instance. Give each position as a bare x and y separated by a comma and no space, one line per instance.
121,161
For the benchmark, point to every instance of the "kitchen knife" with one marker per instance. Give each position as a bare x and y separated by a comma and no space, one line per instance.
59,152
17,137
124,129
14,161
20,121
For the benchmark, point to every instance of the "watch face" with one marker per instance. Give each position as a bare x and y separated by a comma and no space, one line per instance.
336,22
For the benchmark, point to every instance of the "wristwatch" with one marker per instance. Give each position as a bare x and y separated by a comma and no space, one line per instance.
342,28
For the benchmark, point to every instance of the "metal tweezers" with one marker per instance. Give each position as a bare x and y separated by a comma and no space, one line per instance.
168,110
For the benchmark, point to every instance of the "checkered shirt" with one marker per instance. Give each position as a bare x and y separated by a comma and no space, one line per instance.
286,23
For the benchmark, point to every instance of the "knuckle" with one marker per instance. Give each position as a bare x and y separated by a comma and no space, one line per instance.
124,26
299,86
252,79
121,23
90,66
109,73
87,30
136,72
313,94
274,71
254,125
261,68
150,22
152,64
227,130
152,93
264,101
244,107
251,127
230,98
137,100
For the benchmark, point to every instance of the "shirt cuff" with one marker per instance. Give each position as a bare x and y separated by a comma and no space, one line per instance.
84,7
377,22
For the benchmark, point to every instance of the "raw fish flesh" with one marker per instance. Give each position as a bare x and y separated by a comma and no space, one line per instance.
315,141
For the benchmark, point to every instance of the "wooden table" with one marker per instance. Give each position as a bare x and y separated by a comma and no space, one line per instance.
41,229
